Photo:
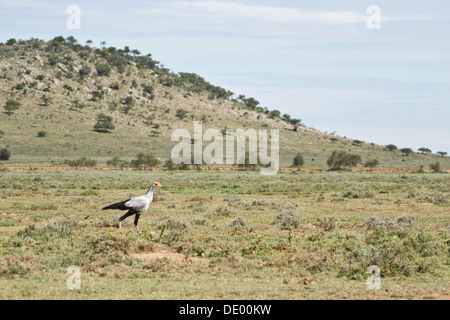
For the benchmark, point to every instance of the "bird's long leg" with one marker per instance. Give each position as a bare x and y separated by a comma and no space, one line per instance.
126,215
136,219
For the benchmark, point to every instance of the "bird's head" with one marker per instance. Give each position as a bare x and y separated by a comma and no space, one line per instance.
156,184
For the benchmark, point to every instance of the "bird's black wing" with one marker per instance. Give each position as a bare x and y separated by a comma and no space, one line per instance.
118,206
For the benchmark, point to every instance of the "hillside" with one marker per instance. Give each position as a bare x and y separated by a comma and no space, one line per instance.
60,88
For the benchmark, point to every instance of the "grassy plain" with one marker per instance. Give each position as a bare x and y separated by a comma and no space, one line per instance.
226,235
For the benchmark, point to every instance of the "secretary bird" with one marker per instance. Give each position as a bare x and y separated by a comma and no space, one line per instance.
136,205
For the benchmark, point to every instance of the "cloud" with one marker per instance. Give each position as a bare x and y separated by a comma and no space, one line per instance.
234,17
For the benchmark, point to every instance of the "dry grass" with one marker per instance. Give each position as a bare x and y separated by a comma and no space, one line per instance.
230,248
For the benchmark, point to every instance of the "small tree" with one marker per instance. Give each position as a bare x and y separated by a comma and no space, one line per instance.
103,69
274,114
11,105
406,151
391,147
425,150
84,71
442,153
104,123
41,134
11,42
117,162
144,161
340,159
81,162
371,163
5,154
298,161
436,167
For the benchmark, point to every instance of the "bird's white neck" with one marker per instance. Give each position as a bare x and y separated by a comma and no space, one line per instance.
150,191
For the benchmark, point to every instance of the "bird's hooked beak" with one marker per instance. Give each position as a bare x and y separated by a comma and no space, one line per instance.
157,184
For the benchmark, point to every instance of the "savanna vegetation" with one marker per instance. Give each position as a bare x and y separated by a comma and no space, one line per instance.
225,235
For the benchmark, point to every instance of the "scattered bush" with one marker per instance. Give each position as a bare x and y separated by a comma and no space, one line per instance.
435,197
41,134
173,223
81,162
224,211
298,161
436,167
371,163
5,154
144,161
238,223
340,159
181,113
61,224
104,123
356,193
289,217
11,105
328,223
103,69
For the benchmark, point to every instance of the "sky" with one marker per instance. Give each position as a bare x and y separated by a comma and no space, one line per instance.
380,76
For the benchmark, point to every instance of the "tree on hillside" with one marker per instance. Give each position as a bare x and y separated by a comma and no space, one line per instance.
11,41
274,114
104,123
11,105
71,40
425,150
295,123
251,103
406,151
103,69
391,147
442,153
84,71
340,159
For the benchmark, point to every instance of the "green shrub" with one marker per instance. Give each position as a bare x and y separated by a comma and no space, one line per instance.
103,69
145,161
340,159
436,167
11,105
81,162
298,160
104,123
5,154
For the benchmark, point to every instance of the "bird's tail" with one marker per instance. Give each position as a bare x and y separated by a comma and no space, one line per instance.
118,205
